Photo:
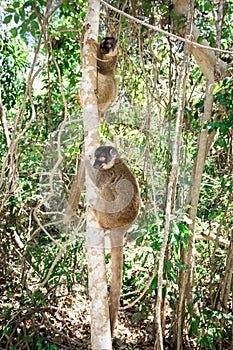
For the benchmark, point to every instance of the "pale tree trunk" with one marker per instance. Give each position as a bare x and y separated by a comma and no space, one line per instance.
4,121
100,324
171,190
207,62
12,170
227,279
206,59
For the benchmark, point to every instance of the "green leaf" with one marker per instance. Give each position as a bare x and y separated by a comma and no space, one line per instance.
207,6
7,19
53,347
139,240
180,266
14,32
160,35
10,9
28,3
35,25
32,16
24,28
168,266
154,283
183,228
22,13
16,4
39,346
16,18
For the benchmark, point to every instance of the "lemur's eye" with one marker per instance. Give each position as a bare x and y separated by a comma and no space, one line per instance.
102,159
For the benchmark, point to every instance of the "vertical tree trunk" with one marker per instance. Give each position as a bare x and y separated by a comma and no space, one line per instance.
227,279
4,121
100,324
206,60
171,190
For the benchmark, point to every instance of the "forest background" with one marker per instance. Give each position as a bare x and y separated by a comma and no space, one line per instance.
171,123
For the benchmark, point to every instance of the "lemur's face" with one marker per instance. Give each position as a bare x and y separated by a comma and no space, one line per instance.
105,157
108,46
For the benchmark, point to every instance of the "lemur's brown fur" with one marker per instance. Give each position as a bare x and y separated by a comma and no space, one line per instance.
117,209
106,69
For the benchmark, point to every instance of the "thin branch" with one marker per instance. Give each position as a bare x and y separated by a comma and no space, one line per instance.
209,237
172,179
157,29
13,145
4,121
143,293
50,13
219,23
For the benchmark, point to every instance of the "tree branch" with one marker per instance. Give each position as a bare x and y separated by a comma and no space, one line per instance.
157,29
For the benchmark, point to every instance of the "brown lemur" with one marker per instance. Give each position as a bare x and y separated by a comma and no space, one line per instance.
106,69
116,209
117,189
106,56
106,92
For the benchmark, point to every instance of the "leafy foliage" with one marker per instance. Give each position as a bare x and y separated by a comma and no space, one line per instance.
43,265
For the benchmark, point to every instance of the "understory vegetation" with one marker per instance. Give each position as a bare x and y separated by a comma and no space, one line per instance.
43,265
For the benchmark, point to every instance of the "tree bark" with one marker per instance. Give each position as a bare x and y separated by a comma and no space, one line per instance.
171,190
206,61
100,324
205,58
4,122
